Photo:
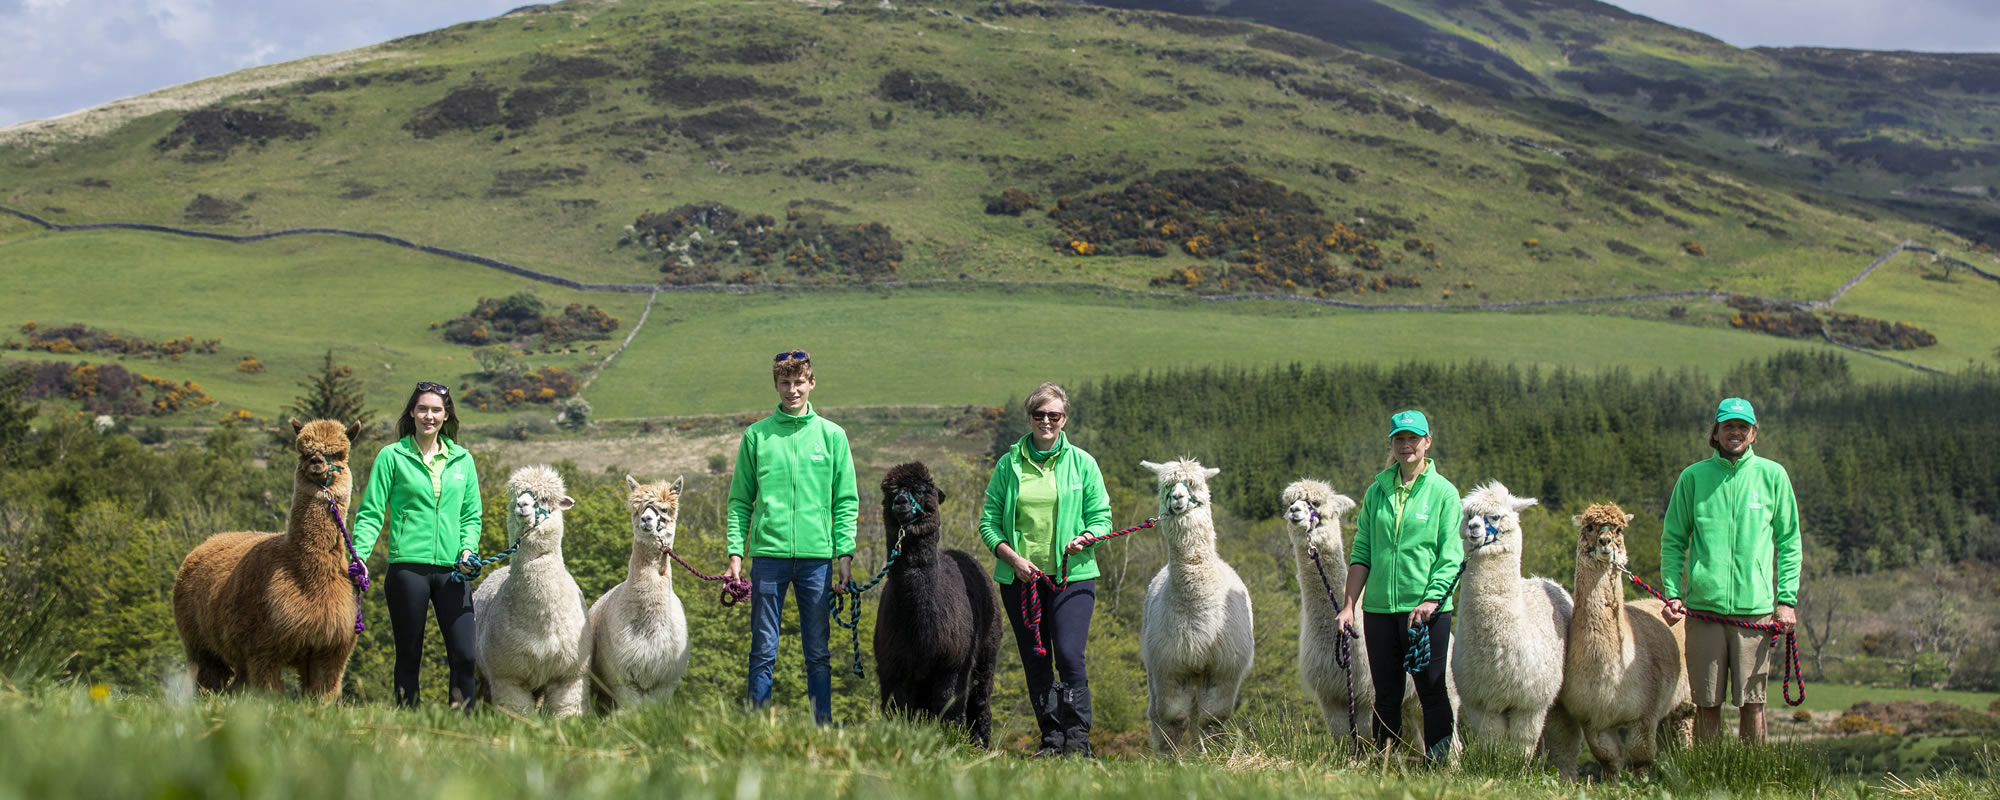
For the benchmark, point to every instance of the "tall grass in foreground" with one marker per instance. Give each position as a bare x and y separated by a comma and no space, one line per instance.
68,742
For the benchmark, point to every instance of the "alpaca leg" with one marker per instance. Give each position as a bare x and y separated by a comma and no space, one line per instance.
1562,741
1609,750
211,673
266,675
321,675
1481,727
1639,754
979,706
1217,704
565,698
511,695
1526,728
1169,711
626,695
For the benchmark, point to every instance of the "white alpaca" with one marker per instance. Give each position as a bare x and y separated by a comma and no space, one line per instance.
1313,511
533,634
1510,636
1195,639
637,629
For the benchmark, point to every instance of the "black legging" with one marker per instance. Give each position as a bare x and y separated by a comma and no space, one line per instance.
1387,639
409,587
1065,627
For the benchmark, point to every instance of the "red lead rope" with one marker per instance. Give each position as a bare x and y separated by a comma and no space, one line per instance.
1792,671
1031,600
734,590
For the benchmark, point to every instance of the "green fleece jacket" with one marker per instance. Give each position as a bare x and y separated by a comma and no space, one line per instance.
423,528
1082,506
1416,560
793,494
1728,524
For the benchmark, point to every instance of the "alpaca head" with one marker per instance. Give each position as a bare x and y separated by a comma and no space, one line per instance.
654,506
1183,485
1601,534
322,446
1493,521
1313,510
538,495
910,503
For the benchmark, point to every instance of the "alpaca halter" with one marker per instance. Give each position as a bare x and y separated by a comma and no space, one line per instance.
1194,501
1492,536
472,565
1605,559
1343,652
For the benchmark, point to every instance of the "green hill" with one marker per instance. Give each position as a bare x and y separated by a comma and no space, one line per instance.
968,145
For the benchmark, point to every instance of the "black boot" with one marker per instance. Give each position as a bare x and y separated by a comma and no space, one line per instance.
1075,717
1048,717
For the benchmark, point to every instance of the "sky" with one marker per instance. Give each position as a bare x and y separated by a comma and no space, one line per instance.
68,55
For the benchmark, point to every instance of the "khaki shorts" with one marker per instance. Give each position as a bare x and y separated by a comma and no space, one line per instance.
1721,656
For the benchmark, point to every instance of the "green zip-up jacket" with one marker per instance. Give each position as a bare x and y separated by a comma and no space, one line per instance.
1728,524
793,494
423,528
1416,560
1081,507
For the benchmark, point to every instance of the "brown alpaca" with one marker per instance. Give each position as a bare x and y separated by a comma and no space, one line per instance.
251,604
1623,679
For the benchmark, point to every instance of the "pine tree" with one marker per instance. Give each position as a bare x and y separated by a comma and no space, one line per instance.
333,393
16,413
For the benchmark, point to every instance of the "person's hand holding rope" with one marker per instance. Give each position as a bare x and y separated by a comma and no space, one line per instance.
1421,615
846,579
1673,612
1077,544
1786,617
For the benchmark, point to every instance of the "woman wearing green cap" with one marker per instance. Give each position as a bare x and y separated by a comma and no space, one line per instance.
1406,554
1730,547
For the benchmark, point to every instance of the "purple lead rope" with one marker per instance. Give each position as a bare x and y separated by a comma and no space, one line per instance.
357,573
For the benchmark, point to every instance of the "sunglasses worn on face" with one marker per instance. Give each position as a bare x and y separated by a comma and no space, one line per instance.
1052,416
435,388
792,354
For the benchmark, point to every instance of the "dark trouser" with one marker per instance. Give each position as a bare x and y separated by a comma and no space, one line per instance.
1061,709
1387,641
409,587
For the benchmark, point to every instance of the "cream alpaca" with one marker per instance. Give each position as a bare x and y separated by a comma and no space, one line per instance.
1508,646
533,633
638,631
1195,639
1624,679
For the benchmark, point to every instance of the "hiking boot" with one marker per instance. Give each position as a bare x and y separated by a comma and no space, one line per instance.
1048,718
1074,715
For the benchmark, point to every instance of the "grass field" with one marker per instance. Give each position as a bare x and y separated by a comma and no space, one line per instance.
1840,696
1910,289
64,743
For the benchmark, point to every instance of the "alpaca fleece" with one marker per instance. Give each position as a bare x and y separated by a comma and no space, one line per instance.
1195,638
1510,639
937,629
533,629
638,630
249,605
1625,681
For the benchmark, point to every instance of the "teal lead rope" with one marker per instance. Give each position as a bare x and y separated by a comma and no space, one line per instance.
473,565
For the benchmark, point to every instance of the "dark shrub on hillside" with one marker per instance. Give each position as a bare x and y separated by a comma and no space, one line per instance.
210,210
931,92
704,241
545,385
1270,237
524,315
465,108
1011,203
110,389
81,338
580,68
1877,334
1788,321
211,134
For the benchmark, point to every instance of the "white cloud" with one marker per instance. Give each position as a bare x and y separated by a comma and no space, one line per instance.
1928,25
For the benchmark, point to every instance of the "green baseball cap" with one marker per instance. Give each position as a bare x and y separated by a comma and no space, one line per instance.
1412,421
1735,408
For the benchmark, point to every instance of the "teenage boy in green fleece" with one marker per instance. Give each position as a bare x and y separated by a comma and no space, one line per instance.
1732,517
792,507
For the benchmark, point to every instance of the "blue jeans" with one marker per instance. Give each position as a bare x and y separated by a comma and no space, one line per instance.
809,578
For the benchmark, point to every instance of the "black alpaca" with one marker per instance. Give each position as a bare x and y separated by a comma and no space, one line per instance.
937,630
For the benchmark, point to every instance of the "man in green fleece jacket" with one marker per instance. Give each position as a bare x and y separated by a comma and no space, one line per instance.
1731,548
792,507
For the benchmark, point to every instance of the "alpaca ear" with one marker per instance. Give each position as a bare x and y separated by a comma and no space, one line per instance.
1576,520
1156,468
677,484
1342,504
354,431
296,425
1522,503
566,502
1628,519
631,483
940,491
1210,473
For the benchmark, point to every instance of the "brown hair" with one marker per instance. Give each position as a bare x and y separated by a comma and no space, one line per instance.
792,364
1043,394
406,425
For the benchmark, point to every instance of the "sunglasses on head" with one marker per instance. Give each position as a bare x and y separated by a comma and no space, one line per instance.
435,388
792,354
1052,416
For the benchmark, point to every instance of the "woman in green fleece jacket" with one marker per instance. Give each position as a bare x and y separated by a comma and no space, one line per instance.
1406,554
424,491
1045,496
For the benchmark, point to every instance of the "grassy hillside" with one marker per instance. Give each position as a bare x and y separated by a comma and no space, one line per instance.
1162,154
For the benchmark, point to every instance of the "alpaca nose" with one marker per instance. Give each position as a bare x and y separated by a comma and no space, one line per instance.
1604,539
